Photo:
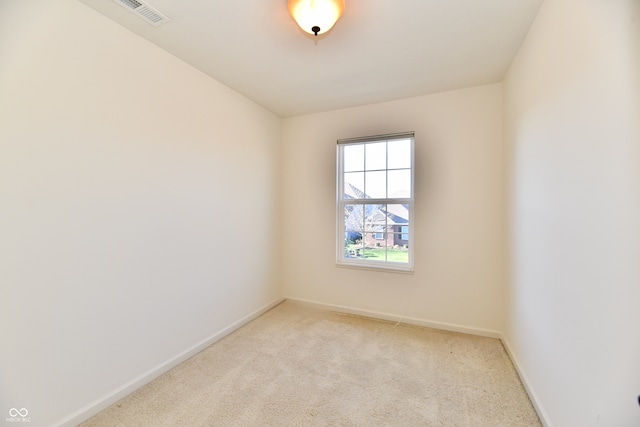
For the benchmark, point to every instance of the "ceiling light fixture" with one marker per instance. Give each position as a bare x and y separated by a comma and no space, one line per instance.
316,16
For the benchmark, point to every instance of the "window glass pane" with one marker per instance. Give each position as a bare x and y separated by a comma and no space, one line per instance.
399,183
374,249
399,154
404,236
354,185
353,156
354,219
375,218
376,156
397,215
353,245
397,252
375,185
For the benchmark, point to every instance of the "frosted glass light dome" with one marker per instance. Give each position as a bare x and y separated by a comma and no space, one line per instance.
316,16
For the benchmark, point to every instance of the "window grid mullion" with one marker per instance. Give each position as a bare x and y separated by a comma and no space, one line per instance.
364,172
386,208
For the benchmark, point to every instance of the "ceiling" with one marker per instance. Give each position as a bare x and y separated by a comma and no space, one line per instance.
379,50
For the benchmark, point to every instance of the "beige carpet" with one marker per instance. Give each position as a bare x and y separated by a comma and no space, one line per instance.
300,366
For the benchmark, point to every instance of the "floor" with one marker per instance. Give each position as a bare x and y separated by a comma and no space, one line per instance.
298,365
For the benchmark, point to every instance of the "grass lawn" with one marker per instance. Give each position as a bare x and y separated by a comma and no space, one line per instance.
393,255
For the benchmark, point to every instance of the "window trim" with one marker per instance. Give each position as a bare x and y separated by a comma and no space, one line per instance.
341,260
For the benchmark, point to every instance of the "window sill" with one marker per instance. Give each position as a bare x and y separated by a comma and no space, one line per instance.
387,268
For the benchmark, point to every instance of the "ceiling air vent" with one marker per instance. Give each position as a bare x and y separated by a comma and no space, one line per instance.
144,11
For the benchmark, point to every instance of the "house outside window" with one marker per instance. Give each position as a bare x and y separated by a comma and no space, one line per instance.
375,201
404,230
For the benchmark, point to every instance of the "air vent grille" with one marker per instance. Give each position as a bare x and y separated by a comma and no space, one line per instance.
131,4
144,11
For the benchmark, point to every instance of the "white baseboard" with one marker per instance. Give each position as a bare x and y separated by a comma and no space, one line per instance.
542,414
104,402
403,319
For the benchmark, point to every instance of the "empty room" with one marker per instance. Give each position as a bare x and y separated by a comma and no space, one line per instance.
388,213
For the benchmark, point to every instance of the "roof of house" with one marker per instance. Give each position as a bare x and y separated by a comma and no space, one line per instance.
392,215
395,214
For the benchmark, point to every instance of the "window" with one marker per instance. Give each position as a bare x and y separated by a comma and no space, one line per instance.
405,233
375,201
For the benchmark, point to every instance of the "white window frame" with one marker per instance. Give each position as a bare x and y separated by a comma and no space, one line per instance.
341,201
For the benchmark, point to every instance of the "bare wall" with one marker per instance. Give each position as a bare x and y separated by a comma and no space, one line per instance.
571,127
459,215
138,208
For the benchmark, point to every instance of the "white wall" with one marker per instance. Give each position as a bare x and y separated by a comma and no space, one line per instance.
572,115
459,215
138,208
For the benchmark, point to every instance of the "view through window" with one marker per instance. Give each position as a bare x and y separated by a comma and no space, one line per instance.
375,201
